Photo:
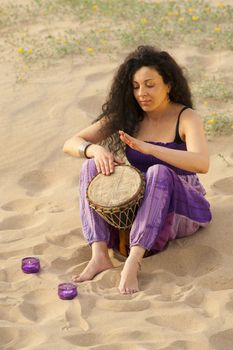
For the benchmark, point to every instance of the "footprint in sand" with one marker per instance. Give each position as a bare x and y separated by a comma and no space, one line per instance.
126,345
87,339
91,104
161,283
222,340
98,76
186,345
70,239
224,186
115,347
217,281
49,207
13,338
195,297
18,205
3,276
123,305
229,305
11,313
37,181
38,310
62,265
27,205
42,248
19,222
112,338
7,336
194,261
179,320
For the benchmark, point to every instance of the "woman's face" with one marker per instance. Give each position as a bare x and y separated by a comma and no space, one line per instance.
149,89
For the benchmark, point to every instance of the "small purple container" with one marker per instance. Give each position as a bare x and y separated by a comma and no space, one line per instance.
30,264
67,291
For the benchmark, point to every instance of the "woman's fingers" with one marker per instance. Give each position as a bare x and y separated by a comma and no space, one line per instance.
126,138
134,143
105,166
98,167
129,140
119,161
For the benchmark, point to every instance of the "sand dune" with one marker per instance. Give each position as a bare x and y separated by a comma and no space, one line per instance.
186,305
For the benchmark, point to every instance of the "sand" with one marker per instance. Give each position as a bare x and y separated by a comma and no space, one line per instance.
186,297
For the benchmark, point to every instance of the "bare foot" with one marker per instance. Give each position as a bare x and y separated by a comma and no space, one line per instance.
95,266
129,281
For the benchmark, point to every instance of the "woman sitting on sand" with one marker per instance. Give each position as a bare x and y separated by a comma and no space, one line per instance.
148,114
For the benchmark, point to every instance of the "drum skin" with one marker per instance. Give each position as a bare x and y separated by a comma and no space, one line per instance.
116,197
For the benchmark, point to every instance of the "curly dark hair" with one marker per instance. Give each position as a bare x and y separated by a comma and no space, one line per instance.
121,108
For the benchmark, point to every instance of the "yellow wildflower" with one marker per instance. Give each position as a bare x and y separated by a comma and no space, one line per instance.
217,29
20,50
195,18
21,77
181,19
90,50
190,10
211,121
220,5
95,8
103,42
144,21
206,103
232,126
213,114
207,9
29,51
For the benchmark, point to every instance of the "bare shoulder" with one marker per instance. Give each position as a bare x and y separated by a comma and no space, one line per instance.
190,115
191,126
190,121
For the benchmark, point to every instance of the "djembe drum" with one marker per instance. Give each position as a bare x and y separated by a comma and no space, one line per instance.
116,198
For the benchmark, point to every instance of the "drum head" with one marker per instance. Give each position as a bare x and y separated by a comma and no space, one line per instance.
116,189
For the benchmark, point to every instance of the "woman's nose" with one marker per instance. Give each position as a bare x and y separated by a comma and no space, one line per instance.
141,91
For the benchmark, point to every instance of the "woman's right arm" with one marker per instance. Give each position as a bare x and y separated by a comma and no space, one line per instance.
104,159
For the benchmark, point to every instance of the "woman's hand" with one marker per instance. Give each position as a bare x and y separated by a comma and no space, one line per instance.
105,161
138,145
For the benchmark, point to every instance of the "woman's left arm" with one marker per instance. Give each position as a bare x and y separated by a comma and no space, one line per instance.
195,159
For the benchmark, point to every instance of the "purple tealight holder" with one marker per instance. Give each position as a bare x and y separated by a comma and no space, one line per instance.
67,291
30,264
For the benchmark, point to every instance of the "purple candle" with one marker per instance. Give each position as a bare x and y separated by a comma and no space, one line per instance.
67,291
30,264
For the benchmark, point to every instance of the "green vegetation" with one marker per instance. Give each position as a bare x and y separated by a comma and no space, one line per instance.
217,125
114,25
43,31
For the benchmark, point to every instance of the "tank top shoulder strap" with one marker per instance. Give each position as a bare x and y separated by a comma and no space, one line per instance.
177,137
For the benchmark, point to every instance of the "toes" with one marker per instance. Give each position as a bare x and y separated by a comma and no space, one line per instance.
76,278
128,290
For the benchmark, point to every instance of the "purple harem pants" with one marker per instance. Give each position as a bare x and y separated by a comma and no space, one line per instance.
173,206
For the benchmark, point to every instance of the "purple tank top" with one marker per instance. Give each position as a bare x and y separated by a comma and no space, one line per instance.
144,161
